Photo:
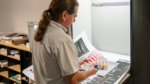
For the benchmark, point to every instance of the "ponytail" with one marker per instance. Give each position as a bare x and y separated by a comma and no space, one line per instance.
43,24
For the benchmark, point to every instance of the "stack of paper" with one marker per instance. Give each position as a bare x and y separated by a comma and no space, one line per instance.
3,63
3,50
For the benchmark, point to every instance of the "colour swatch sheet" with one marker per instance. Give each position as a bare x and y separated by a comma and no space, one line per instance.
96,58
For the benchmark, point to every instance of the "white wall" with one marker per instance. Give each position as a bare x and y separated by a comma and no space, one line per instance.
14,14
103,1
83,20
111,27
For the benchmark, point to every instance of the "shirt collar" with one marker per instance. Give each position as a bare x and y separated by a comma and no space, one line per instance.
59,25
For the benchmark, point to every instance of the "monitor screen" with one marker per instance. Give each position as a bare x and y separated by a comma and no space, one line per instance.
32,26
82,49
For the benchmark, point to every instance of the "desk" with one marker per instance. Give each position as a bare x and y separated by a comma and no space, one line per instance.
115,75
114,57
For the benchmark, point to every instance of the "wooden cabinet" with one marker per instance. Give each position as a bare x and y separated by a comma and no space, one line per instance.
15,64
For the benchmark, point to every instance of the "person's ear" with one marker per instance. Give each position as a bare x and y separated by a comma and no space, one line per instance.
64,15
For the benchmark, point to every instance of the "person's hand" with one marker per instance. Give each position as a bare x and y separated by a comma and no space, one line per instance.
92,70
82,61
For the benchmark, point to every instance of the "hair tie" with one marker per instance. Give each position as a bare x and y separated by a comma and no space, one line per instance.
50,10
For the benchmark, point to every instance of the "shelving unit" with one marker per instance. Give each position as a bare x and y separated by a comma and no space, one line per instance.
3,54
24,78
15,65
4,74
13,57
2,83
15,80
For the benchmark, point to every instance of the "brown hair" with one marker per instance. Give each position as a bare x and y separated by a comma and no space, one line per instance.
53,13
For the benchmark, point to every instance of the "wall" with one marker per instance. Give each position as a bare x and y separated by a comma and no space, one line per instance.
111,26
83,19
14,14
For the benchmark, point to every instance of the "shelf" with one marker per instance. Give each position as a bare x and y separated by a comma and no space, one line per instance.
15,80
15,67
2,83
13,57
4,74
21,47
3,54
24,78
14,63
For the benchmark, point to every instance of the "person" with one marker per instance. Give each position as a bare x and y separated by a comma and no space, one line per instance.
54,54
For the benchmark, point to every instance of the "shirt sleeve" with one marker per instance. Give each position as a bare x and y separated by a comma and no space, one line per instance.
67,58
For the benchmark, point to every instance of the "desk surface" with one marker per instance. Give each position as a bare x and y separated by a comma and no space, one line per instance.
113,77
115,56
116,74
21,47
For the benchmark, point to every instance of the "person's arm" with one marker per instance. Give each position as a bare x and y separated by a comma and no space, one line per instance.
80,76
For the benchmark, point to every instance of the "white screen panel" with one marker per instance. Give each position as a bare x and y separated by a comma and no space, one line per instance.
111,28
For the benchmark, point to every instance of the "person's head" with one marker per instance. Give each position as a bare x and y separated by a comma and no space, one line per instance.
61,11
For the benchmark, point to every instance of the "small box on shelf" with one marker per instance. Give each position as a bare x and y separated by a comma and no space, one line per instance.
17,56
14,54
15,76
3,51
3,63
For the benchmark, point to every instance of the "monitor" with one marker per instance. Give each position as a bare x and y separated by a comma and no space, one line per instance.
32,26
82,49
